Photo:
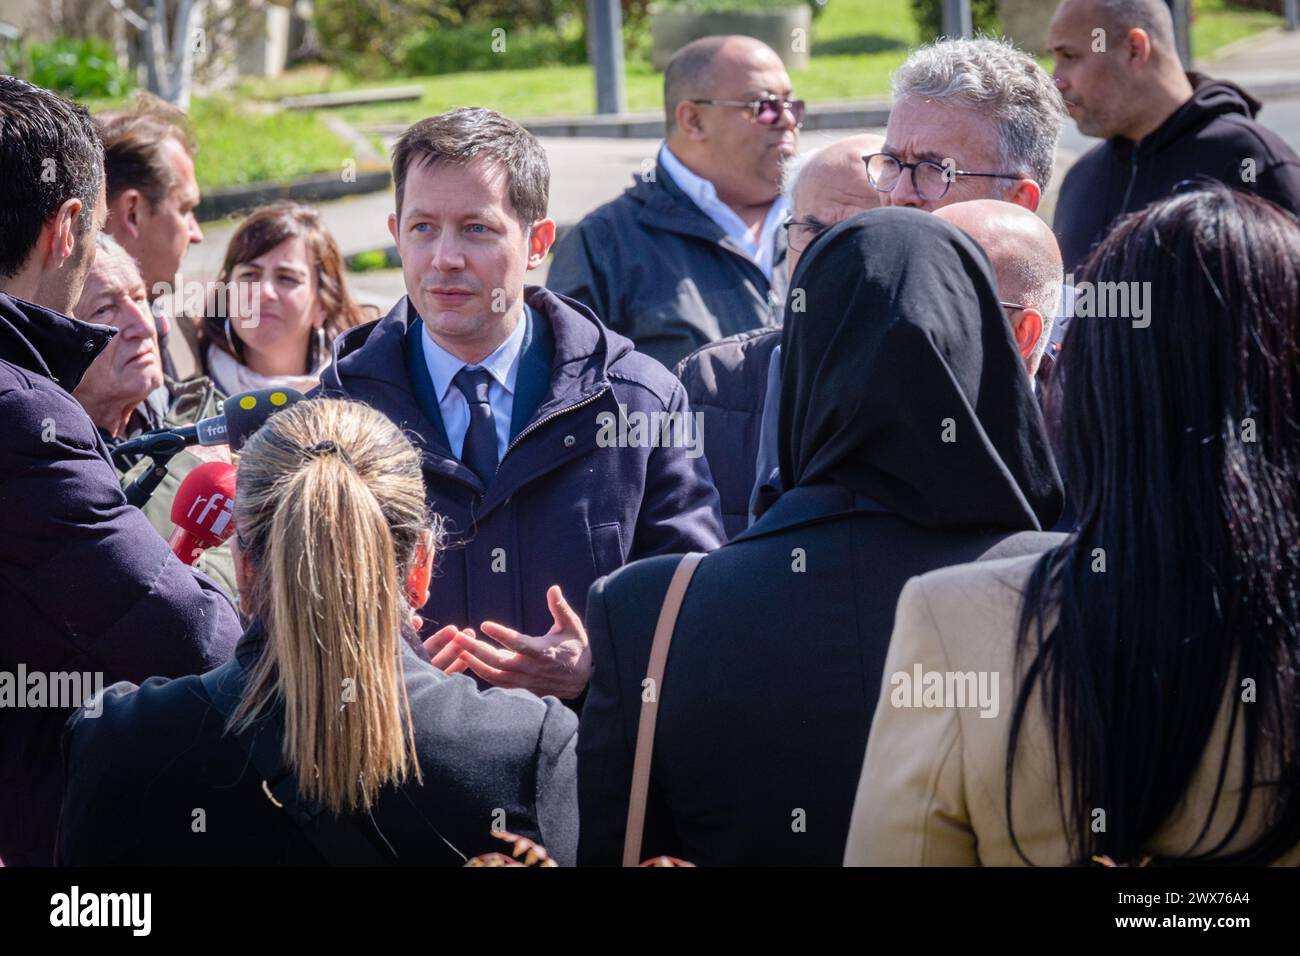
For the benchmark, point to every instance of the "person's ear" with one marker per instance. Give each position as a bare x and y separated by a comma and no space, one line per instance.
1028,331
392,227
417,582
1026,193
690,119
126,212
63,231
1138,47
540,239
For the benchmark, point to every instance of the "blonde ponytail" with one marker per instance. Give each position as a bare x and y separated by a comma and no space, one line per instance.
330,504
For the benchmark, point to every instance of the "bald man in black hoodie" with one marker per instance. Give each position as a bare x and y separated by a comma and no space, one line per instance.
1117,67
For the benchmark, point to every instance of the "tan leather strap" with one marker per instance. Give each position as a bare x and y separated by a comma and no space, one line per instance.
645,731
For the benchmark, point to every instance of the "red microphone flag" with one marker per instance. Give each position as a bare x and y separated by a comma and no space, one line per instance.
203,510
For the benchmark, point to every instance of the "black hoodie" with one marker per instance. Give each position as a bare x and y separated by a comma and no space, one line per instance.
1213,134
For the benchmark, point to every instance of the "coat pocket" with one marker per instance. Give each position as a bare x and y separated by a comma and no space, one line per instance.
606,547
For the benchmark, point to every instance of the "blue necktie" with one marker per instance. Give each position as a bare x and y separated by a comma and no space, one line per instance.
479,453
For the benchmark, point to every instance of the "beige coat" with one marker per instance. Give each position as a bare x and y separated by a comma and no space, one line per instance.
932,791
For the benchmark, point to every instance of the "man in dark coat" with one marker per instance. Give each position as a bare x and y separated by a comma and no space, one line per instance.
910,440
1162,126
87,587
692,252
547,479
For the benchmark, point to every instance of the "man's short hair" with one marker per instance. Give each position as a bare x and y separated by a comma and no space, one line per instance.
998,81
1153,16
689,75
106,247
133,148
50,152
463,135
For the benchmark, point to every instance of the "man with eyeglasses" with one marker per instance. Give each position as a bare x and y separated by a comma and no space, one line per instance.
693,251
728,380
972,119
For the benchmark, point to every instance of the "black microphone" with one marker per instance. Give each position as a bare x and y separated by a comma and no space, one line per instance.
247,412
240,417
249,409
209,431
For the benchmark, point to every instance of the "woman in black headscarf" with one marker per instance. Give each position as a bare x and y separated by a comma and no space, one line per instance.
910,440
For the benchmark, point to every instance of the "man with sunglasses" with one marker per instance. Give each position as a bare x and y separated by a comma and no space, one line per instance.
693,251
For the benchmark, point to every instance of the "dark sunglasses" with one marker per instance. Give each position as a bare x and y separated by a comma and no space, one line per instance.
767,111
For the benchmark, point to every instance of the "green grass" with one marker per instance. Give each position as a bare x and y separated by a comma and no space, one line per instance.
238,147
856,45
1216,25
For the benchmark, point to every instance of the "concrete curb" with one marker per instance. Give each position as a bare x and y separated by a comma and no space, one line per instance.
383,94
223,203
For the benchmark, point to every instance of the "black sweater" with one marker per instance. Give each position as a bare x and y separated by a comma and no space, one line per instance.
1213,134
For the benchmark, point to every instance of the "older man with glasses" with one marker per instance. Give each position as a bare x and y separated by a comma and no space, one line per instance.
693,251
972,119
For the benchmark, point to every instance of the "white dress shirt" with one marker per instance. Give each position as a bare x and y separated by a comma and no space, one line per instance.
704,195
502,365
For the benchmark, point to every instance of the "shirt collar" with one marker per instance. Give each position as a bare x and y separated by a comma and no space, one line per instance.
700,190
502,364
703,193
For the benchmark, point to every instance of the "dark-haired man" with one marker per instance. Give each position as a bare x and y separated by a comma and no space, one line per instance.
525,407
152,194
87,587
694,252
1118,69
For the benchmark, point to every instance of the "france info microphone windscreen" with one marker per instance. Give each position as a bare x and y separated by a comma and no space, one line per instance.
246,412
203,510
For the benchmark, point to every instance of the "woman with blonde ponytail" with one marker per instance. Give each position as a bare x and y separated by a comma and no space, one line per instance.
330,738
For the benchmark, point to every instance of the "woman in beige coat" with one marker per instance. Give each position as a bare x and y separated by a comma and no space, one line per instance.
1131,695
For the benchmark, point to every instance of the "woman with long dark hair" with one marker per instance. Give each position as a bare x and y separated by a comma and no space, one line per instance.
283,299
1148,707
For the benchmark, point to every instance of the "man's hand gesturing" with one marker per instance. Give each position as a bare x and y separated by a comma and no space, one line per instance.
558,662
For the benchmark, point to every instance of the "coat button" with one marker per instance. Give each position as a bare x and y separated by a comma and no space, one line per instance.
569,441
88,346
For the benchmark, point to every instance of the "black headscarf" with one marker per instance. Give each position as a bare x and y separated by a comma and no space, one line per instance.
894,341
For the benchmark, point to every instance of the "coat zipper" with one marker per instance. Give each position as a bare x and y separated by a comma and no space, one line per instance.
542,421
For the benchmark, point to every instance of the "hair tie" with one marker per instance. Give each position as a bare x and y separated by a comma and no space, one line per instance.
329,447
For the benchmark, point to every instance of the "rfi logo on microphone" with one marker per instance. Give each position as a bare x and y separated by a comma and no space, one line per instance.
216,500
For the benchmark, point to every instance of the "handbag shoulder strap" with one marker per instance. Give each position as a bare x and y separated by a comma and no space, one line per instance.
645,732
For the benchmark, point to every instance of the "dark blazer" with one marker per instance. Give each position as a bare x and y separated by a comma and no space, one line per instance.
157,753
727,381
86,584
563,508
654,267
771,681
